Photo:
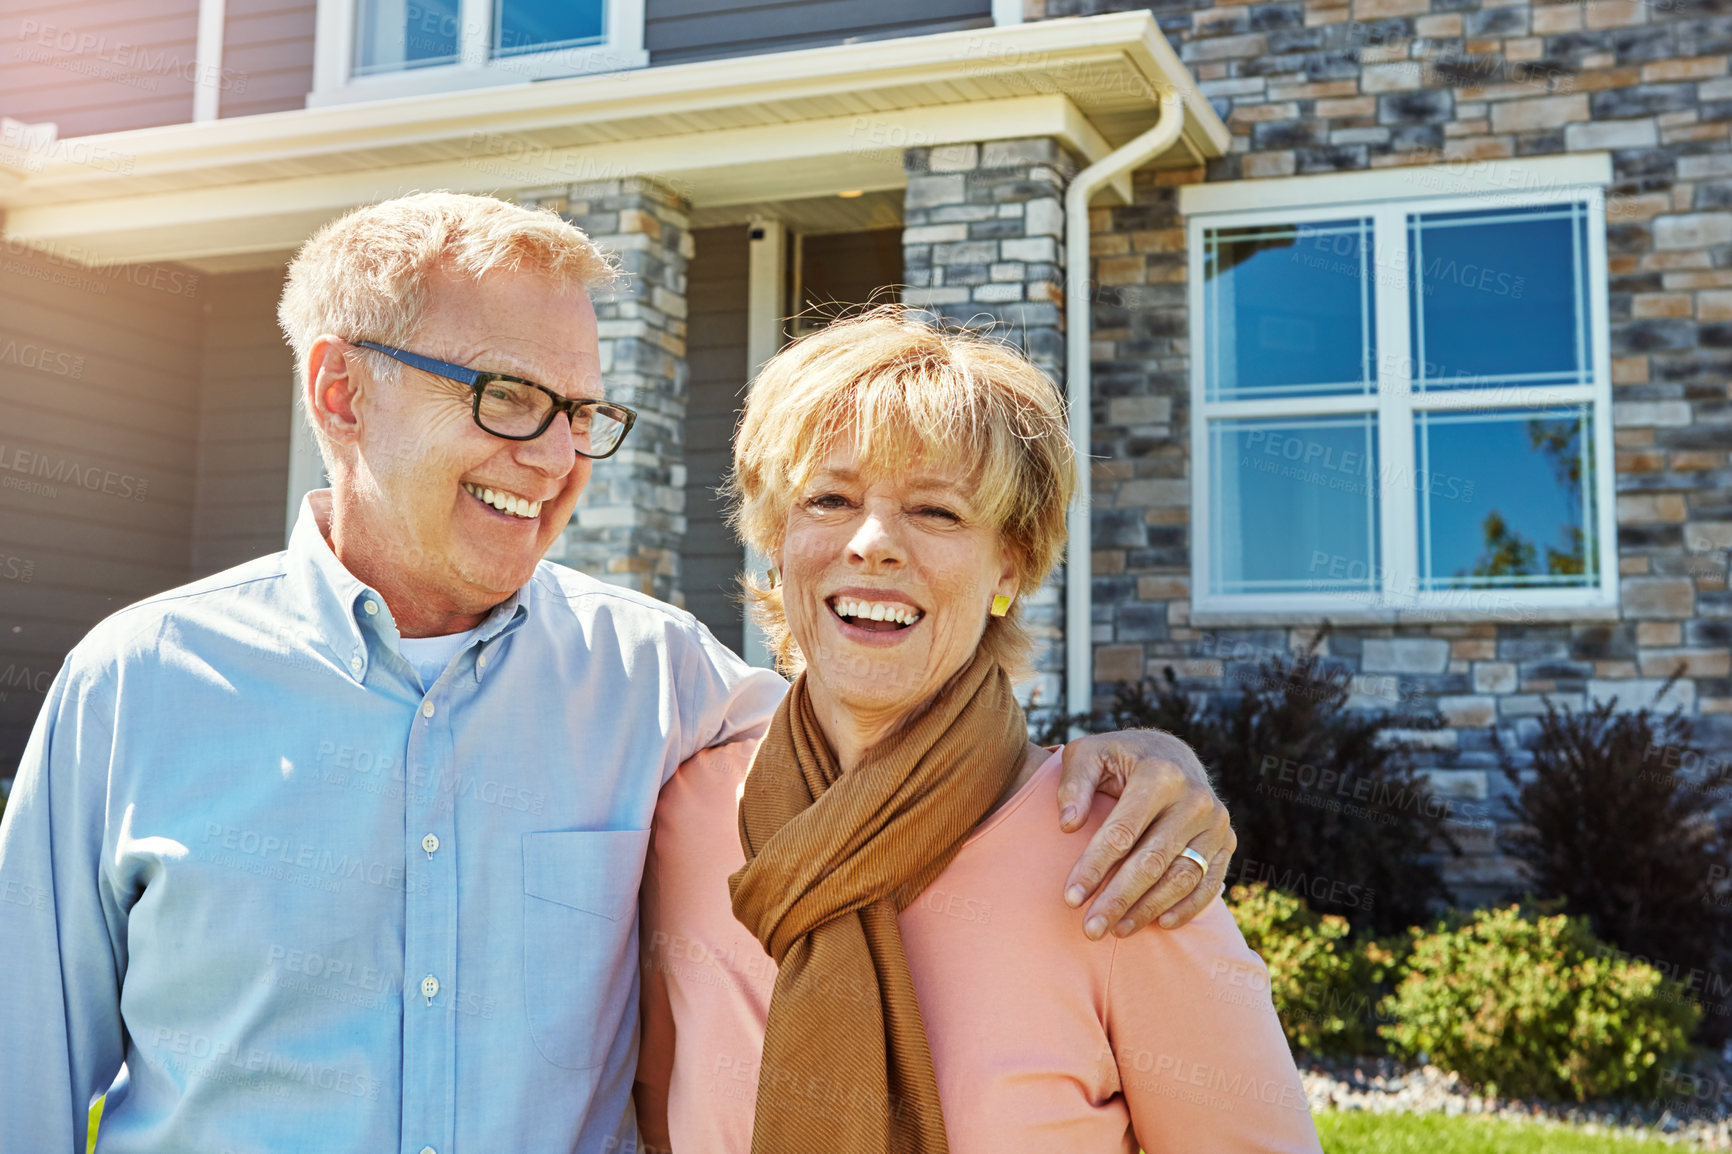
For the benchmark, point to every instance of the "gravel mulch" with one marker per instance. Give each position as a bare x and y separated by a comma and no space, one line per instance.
1695,1107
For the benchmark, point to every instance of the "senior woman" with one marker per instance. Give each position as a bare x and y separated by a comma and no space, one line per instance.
854,939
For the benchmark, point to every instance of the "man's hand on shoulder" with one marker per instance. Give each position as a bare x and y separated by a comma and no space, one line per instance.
1165,805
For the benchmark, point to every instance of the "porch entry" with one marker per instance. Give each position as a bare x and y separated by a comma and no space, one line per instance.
823,275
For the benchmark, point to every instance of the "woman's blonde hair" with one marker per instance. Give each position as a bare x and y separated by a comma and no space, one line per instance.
365,275
898,387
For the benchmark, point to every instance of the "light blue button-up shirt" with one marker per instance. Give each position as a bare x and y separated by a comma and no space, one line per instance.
311,906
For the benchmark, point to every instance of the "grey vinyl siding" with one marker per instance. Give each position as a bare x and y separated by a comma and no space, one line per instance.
676,31
97,456
99,65
711,558
267,56
842,272
245,408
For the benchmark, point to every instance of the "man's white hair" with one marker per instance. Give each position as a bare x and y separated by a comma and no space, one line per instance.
364,276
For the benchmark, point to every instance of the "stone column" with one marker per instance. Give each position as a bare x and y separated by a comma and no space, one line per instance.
983,246
630,521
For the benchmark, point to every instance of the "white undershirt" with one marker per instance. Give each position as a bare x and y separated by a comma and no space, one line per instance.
430,655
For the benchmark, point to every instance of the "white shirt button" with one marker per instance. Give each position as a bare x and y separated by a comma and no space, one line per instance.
371,606
430,842
356,664
482,661
428,1150
426,709
429,986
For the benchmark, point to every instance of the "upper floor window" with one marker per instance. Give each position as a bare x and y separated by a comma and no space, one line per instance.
1403,404
373,49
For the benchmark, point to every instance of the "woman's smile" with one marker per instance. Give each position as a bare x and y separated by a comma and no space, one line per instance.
874,617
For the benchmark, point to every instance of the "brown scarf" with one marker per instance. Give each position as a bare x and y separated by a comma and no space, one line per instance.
831,858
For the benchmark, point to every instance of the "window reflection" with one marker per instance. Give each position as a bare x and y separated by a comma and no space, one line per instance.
540,25
1295,505
1499,297
1507,499
1291,310
393,35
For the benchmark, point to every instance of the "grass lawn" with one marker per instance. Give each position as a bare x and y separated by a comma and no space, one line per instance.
1361,1133
1355,1132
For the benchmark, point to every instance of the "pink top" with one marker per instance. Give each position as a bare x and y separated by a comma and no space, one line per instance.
1042,1040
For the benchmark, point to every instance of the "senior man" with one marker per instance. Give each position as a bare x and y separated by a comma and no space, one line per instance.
339,850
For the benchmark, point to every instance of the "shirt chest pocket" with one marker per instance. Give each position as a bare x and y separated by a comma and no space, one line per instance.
580,941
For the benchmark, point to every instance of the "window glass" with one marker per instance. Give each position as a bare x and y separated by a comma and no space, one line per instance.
1506,498
1499,297
1295,504
540,25
1290,310
392,35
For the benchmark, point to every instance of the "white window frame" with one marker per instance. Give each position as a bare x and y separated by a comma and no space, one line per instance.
1388,204
334,81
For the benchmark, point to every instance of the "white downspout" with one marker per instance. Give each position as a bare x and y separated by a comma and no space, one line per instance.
1078,632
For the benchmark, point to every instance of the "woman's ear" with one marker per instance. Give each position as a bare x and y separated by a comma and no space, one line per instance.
1009,577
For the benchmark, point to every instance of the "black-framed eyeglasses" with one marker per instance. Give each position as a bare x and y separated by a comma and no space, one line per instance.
518,410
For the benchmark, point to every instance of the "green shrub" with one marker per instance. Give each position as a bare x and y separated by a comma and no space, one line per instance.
1325,987
1534,1007
1620,817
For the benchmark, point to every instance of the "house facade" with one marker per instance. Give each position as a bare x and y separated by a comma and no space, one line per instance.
1414,316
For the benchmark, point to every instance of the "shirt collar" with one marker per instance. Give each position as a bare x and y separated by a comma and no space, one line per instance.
340,601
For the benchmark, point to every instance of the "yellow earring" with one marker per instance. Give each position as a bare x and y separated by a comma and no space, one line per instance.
775,576
1000,605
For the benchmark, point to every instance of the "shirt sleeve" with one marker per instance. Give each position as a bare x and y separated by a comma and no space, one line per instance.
62,934
722,699
655,1062
1201,1057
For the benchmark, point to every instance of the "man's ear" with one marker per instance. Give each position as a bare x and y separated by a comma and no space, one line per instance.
333,390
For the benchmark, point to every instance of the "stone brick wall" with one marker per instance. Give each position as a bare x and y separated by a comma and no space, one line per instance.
631,521
1333,85
983,245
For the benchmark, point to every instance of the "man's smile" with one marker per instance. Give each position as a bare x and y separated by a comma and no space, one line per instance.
505,502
